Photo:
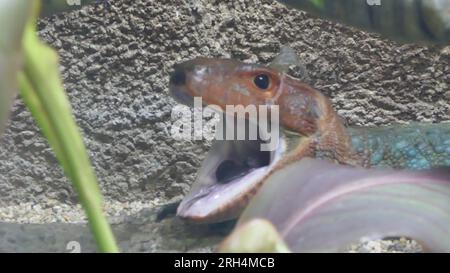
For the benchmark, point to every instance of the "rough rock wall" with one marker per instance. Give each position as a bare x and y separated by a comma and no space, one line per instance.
115,64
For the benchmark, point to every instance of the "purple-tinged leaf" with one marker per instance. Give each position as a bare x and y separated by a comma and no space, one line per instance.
317,206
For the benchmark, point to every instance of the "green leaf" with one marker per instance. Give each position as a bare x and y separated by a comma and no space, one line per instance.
257,235
318,3
13,17
317,206
42,91
315,6
405,21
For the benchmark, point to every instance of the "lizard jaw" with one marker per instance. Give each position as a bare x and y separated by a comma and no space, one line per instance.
230,175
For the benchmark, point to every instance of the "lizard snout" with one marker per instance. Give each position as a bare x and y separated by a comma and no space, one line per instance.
182,71
178,85
178,77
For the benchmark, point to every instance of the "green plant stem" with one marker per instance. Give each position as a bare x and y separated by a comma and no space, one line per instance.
43,93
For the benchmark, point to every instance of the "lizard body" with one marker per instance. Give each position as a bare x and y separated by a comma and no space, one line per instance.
309,128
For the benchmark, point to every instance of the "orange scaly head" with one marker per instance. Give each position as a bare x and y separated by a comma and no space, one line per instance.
234,170
224,82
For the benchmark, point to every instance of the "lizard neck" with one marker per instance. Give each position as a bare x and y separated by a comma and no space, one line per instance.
310,116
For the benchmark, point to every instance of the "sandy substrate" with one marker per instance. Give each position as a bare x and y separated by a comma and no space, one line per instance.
115,64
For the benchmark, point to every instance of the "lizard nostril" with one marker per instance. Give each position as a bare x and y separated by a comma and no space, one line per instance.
178,77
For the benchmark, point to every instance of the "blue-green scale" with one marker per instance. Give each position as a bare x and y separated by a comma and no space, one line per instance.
413,146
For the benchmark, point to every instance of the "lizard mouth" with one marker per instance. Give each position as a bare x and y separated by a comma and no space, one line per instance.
230,174
233,170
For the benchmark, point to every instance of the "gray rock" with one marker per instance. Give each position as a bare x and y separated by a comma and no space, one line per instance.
116,63
140,233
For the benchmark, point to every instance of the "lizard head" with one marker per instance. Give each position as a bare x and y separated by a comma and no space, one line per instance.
225,82
235,169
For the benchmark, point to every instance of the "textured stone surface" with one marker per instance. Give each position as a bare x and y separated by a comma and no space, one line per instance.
115,65
139,233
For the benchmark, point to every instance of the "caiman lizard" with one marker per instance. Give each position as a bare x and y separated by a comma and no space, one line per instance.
233,171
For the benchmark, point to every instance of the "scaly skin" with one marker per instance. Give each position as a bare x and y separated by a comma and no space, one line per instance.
310,126
414,146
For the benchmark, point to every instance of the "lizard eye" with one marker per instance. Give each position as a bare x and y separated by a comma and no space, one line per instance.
262,81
